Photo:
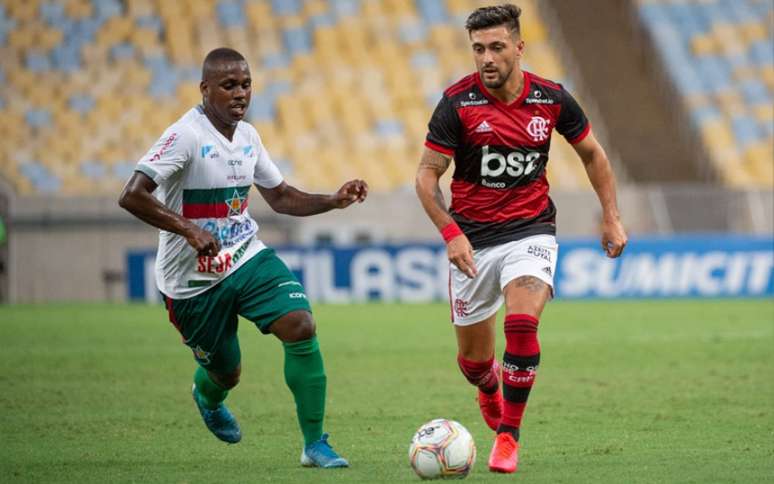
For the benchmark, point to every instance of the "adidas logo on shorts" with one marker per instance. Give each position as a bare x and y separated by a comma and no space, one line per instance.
548,271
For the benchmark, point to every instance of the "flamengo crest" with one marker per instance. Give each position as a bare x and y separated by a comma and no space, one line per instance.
538,128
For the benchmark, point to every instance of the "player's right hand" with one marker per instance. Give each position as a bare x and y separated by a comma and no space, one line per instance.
460,254
203,242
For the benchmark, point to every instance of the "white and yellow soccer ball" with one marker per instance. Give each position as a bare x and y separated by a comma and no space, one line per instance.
442,449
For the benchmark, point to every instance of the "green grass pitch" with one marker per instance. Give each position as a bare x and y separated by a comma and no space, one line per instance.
653,391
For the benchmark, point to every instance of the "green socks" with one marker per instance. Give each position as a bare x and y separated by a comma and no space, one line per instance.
210,393
305,376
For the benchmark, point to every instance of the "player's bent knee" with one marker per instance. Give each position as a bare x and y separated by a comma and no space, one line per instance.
294,326
228,380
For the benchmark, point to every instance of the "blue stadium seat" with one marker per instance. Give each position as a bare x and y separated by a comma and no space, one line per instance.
151,22
715,72
746,130
412,32
53,13
81,103
123,170
40,178
762,53
94,170
231,13
298,40
38,61
286,7
66,57
388,128
755,92
323,19
423,59
433,11
38,118
703,114
105,9
262,107
122,51
345,8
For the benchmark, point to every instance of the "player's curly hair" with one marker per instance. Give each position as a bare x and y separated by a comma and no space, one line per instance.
485,17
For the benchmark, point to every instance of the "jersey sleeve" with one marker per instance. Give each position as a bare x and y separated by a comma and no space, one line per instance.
572,122
169,154
266,174
444,129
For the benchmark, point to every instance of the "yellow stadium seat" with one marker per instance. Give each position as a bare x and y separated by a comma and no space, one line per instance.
754,31
314,7
399,8
290,114
78,8
729,39
460,7
201,9
115,30
237,38
703,44
23,10
259,15
146,41
47,38
23,37
532,27
767,75
140,8
760,158
731,103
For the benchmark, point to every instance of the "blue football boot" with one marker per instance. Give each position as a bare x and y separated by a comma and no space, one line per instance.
321,454
219,421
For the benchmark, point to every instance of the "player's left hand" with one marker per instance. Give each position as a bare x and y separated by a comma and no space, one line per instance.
613,237
350,192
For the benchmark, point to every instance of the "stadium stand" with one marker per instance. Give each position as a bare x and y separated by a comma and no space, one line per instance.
342,88
720,56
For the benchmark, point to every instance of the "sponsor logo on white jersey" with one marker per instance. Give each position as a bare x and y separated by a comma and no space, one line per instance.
208,151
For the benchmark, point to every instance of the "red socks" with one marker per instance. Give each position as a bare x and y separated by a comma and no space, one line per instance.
520,362
480,374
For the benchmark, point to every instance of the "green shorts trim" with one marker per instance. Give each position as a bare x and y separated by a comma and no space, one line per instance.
262,291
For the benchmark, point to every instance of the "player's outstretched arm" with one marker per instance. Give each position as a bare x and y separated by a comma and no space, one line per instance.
603,180
137,198
432,166
289,200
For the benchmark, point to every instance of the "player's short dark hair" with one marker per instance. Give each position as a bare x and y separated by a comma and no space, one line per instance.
219,55
485,17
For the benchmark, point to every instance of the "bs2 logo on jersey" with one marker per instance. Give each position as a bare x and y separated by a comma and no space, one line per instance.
515,164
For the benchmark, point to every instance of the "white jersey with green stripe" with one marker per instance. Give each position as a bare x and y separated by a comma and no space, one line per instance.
206,178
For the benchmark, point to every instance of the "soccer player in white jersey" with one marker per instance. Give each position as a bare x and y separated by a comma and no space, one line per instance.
211,267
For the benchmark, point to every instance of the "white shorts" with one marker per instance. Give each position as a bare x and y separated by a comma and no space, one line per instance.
474,300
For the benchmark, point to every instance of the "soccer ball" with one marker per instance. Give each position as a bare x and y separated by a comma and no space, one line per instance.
442,449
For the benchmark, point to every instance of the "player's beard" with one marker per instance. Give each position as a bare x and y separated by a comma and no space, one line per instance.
498,82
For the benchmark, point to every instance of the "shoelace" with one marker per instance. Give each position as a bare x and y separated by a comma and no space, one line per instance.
505,445
213,416
324,447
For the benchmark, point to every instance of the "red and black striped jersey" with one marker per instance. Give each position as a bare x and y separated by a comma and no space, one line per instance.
499,186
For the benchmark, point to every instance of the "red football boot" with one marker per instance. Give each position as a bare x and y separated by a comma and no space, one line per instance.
491,407
505,454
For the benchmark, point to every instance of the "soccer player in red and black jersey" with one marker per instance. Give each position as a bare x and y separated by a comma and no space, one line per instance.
500,228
